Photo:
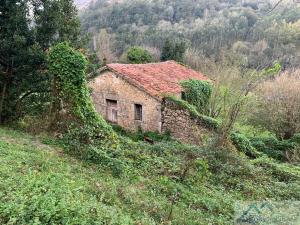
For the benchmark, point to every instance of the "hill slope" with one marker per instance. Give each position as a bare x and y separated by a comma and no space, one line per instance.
252,29
82,3
39,184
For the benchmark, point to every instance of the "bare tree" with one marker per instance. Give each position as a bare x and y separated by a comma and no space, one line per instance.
104,45
233,85
281,1
278,108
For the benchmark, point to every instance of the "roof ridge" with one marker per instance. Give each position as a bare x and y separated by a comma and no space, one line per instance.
140,64
156,79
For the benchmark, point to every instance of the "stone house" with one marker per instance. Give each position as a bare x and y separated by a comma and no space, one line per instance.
131,95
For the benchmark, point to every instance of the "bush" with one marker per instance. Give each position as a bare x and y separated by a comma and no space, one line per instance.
277,106
197,93
272,147
140,135
138,55
173,50
207,121
243,144
85,131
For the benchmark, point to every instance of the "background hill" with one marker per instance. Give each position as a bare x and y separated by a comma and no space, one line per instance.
82,3
251,30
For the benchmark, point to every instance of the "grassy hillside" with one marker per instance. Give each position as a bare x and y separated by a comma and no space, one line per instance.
40,184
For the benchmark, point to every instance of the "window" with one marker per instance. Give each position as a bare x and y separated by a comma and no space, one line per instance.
138,112
112,110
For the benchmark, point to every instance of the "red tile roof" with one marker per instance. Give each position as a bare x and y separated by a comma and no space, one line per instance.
157,79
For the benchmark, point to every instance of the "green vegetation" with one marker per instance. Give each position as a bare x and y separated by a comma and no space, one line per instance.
251,32
87,133
142,135
277,149
243,144
172,50
81,170
198,93
40,184
137,55
24,80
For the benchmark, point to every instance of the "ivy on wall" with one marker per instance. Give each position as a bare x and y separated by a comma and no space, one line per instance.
197,93
74,112
241,142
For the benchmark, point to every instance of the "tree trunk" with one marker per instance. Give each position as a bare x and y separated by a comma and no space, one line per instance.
4,91
2,99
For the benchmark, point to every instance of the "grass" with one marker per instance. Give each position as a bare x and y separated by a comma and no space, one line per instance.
40,184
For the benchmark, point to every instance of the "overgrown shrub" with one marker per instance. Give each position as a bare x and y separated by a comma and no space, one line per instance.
272,147
86,132
173,50
207,121
277,105
197,93
243,144
138,55
140,135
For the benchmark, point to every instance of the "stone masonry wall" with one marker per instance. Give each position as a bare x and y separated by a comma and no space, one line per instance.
109,85
182,125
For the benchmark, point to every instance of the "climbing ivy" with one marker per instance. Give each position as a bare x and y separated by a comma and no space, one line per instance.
197,93
240,141
74,112
207,121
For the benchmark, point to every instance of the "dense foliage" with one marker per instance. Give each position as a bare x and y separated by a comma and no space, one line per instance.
284,150
88,172
198,93
250,31
138,55
74,113
167,182
173,50
27,29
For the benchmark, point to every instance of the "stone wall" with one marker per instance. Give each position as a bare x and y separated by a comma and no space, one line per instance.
182,125
109,85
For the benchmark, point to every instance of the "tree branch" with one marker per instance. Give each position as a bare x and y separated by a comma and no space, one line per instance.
30,93
275,6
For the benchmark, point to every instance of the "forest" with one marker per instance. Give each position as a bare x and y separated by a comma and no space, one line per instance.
63,163
253,31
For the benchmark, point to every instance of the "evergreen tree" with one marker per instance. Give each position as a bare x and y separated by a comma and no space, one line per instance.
167,51
27,29
173,51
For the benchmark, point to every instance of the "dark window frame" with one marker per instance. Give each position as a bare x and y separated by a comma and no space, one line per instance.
112,110
138,112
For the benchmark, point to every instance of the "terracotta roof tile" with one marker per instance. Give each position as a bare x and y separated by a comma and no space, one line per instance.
157,79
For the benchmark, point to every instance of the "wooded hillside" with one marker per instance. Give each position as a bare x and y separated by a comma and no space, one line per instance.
254,31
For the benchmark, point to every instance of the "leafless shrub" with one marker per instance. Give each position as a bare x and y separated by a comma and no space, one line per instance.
155,52
278,107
